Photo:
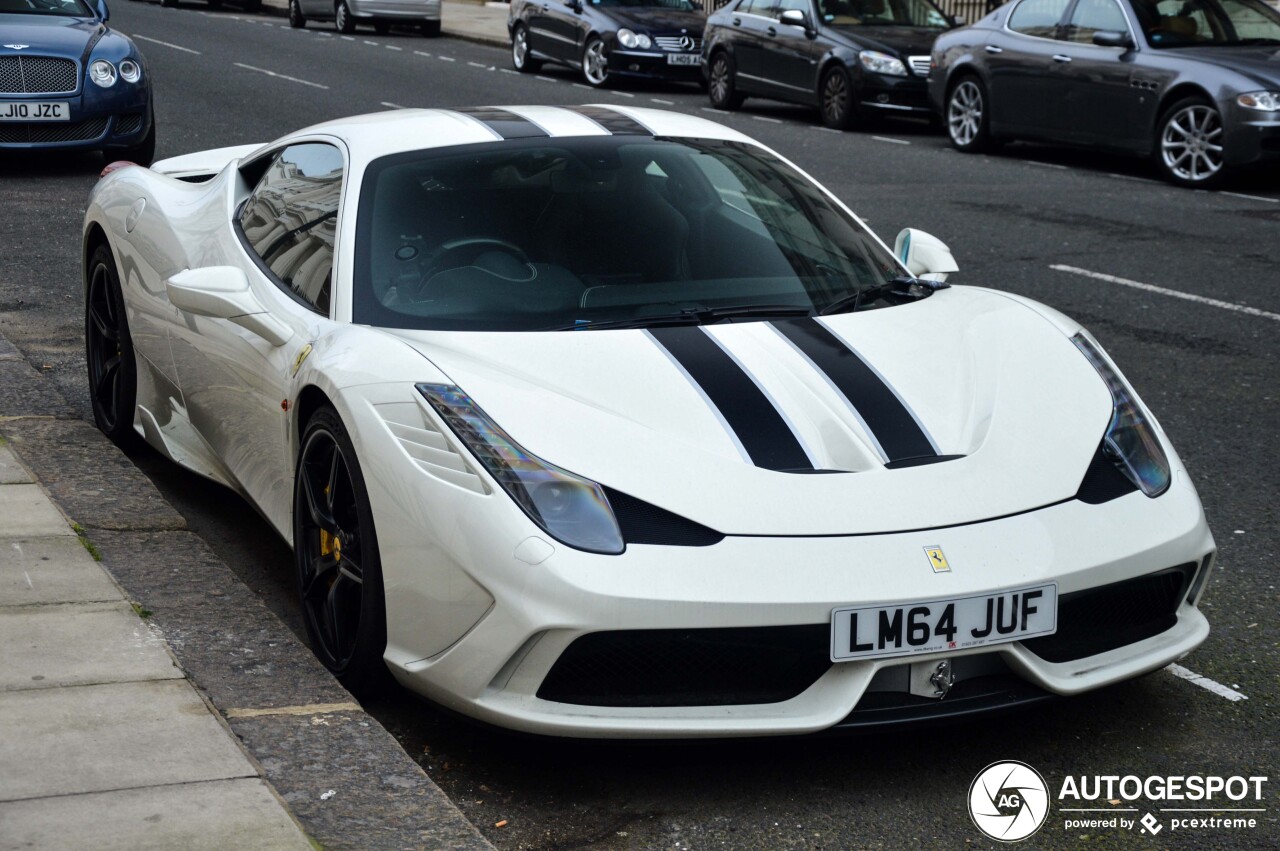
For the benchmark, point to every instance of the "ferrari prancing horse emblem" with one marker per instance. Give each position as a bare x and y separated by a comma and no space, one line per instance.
937,560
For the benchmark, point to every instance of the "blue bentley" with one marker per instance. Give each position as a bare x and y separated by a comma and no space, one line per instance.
69,81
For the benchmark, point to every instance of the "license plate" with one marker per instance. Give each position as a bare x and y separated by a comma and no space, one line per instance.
11,110
684,59
961,623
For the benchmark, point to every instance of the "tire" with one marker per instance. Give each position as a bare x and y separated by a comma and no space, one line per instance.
381,27
142,153
520,58
342,20
112,367
336,557
967,116
296,19
722,85
835,100
429,29
1188,147
595,63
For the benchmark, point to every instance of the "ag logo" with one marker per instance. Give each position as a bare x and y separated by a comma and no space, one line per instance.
1008,801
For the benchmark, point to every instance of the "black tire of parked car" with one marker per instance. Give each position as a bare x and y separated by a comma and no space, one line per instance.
342,20
722,86
142,153
1189,144
296,19
430,29
112,368
520,58
835,99
382,27
967,115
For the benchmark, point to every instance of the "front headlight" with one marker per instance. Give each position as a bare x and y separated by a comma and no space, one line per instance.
1131,442
571,509
882,63
103,73
627,38
130,71
1261,101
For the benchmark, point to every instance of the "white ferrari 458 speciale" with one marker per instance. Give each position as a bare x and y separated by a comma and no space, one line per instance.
600,421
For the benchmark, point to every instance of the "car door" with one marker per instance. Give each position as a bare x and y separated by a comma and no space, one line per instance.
1020,62
1102,106
233,381
749,21
791,53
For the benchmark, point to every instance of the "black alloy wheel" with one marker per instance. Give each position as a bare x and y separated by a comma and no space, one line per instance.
113,372
336,555
297,20
722,87
968,116
342,20
837,99
520,58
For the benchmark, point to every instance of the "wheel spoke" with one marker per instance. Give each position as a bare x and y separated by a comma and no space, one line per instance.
321,575
317,504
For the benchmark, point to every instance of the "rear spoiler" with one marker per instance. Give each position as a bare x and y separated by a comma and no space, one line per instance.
202,165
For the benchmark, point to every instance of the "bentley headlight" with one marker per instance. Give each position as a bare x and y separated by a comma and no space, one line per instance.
1131,442
103,73
627,38
882,63
570,508
1261,101
130,71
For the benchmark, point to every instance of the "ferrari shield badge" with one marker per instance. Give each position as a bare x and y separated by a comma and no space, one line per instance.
937,560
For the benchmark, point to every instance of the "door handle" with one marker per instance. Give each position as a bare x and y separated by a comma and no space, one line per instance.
737,22
991,48
772,31
1058,57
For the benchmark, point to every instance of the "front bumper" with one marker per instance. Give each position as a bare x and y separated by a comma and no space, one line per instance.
117,117
877,93
1252,136
653,64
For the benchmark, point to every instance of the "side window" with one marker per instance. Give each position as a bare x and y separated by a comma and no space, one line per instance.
798,5
1091,16
291,218
1037,17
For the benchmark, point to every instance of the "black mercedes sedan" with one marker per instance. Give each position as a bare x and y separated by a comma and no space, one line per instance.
853,59
1192,84
609,38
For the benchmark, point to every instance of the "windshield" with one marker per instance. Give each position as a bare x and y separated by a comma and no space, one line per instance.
1186,23
868,13
563,233
678,5
70,8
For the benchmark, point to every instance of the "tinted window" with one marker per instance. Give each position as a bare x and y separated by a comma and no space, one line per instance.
797,5
72,8
1037,17
1091,16
910,13
1182,23
290,219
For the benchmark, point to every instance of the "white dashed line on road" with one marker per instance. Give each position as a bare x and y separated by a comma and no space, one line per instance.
508,71
890,139
348,38
1130,177
663,102
392,47
1152,288
1206,683
546,79
824,129
477,65
1251,197
422,53
166,44
767,119
622,94
280,76
389,105
446,59
716,111
581,86
1046,165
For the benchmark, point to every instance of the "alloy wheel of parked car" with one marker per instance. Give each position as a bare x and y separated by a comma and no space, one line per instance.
342,20
722,87
837,100
967,119
336,553
296,18
1190,150
595,63
113,375
520,57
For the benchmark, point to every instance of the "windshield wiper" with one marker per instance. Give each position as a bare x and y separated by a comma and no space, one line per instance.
869,295
688,316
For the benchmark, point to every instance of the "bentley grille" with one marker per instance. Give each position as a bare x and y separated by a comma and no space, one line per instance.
37,75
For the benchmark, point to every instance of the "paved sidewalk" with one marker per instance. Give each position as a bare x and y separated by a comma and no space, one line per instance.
106,743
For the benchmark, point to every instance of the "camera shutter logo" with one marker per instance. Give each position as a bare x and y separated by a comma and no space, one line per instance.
1008,801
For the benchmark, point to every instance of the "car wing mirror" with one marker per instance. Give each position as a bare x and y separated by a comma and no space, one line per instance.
222,292
575,5
103,11
925,256
795,18
1110,38
959,20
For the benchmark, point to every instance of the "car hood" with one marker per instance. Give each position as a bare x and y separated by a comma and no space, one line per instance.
905,41
1261,63
658,20
988,379
48,34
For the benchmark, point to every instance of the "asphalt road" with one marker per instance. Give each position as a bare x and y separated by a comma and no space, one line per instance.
1207,367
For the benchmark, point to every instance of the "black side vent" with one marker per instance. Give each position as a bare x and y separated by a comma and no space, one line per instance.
197,178
642,523
1103,481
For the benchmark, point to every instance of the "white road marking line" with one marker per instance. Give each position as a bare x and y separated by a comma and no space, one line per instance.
1130,177
891,139
508,71
663,102
389,105
1206,683
621,94
167,44
477,65
546,79
374,43
1046,165
446,59
1152,288
281,76
824,129
392,47
348,38
1251,197
322,35
580,86
422,53
766,118
716,111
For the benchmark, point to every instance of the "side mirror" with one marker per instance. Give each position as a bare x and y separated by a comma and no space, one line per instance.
1109,38
959,20
103,11
924,256
222,292
794,18
575,5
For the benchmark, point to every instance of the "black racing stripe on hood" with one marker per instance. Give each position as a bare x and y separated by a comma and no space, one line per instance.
889,420
746,410
615,122
506,124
